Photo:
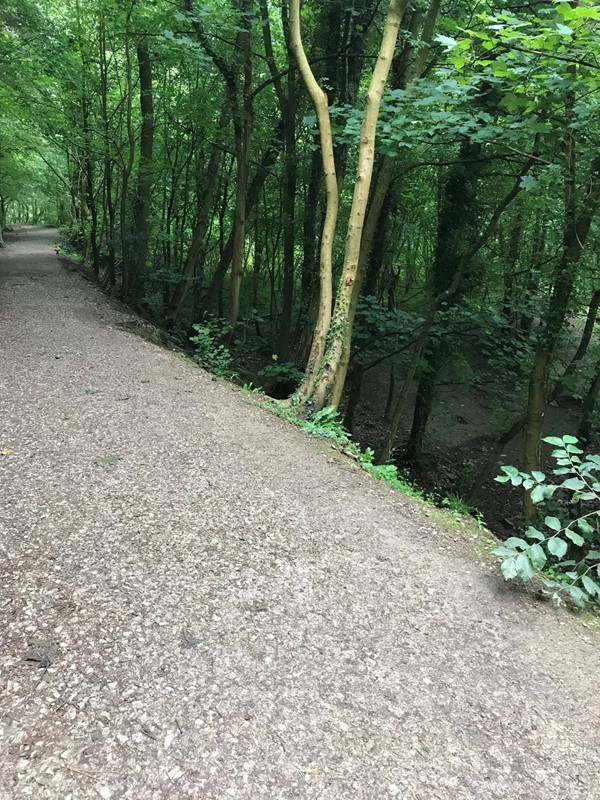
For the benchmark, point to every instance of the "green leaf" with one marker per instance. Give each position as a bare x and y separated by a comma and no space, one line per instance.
553,523
537,555
569,439
574,537
537,494
107,461
505,551
573,483
509,569
558,547
539,476
593,555
528,182
564,30
515,542
553,440
588,496
524,567
577,596
447,41
511,102
590,586
533,533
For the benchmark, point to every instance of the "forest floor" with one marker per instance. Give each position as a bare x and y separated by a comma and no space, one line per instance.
464,428
200,601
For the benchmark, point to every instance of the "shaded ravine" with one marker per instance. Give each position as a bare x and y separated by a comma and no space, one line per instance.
219,609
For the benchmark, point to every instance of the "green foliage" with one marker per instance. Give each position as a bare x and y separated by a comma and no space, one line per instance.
388,473
565,549
329,424
286,372
456,505
209,350
326,423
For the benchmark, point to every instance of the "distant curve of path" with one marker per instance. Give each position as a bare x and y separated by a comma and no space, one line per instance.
198,601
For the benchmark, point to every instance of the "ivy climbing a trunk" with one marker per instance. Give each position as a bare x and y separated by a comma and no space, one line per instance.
326,358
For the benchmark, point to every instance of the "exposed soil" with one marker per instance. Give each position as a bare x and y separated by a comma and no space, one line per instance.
200,601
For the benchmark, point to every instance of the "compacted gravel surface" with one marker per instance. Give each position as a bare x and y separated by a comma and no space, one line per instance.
199,601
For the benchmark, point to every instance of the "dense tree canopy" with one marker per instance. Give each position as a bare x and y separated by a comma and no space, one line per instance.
362,202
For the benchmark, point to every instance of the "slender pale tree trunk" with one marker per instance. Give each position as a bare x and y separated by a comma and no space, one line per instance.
320,102
409,69
321,392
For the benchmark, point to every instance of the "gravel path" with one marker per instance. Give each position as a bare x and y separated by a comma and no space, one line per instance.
198,601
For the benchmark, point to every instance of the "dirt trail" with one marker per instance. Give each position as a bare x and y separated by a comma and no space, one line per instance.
196,601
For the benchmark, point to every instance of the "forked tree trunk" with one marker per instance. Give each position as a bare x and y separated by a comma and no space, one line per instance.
443,297
408,70
319,383
320,102
491,462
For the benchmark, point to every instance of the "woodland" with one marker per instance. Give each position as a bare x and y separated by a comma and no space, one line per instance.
382,210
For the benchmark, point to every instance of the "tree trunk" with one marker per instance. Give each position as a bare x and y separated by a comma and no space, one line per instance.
442,298
211,297
586,424
141,204
320,102
491,461
408,68
243,128
321,388
455,234
576,229
209,183
127,169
